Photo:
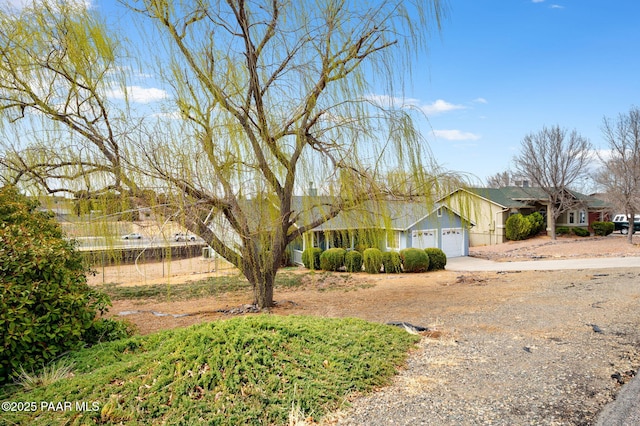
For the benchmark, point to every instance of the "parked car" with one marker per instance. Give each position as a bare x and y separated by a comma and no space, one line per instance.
184,237
621,223
132,236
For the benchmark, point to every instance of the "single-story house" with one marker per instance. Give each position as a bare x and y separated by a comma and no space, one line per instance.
391,226
489,209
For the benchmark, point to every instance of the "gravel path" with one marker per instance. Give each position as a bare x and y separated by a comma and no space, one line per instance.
554,355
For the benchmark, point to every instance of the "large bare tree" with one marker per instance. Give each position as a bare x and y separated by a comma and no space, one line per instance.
267,95
620,174
554,160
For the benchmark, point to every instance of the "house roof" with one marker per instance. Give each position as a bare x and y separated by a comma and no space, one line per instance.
397,215
518,197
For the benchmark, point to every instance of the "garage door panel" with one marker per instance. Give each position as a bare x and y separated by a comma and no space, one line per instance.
453,242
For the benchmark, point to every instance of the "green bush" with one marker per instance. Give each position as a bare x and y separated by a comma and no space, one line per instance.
107,330
311,258
437,258
391,262
537,223
563,230
602,228
518,227
46,306
332,259
581,232
372,260
353,261
414,260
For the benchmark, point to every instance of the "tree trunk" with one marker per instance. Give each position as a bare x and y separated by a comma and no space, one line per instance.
632,226
552,226
264,292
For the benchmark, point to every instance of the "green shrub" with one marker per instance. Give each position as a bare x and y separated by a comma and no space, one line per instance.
391,262
311,258
563,230
437,258
414,260
353,261
518,227
372,260
537,223
581,232
107,330
332,259
46,306
602,228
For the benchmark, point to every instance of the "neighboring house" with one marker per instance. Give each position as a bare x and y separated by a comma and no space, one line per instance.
391,226
489,209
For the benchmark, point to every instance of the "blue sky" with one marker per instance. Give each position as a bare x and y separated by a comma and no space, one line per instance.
504,68
501,69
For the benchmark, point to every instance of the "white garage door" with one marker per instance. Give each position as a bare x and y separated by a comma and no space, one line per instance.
424,238
453,242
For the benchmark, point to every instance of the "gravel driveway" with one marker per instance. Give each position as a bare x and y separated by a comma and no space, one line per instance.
554,350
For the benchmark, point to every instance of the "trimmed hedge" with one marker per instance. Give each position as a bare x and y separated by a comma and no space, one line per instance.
581,232
391,262
311,258
414,260
372,260
353,261
563,230
437,258
332,259
602,229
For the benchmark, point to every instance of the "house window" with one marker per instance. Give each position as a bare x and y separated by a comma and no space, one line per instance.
582,217
439,212
572,217
393,239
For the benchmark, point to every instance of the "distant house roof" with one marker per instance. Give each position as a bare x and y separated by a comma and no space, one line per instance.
519,197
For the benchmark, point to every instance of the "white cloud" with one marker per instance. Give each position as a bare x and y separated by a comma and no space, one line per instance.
480,101
21,4
556,6
440,106
456,135
537,1
139,94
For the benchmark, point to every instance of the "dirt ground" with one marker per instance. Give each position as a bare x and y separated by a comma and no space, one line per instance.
530,347
425,299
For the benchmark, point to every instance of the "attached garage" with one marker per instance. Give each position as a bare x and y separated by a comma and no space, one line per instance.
425,238
453,242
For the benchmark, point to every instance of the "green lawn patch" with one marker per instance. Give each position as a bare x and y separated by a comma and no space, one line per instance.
247,370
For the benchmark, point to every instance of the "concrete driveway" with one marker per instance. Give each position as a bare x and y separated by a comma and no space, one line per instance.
477,264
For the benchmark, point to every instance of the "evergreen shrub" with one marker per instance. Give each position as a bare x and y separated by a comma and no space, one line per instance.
391,262
353,261
332,259
414,260
437,258
602,228
518,227
372,258
311,258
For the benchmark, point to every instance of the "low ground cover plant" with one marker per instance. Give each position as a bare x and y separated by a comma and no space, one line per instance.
247,370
